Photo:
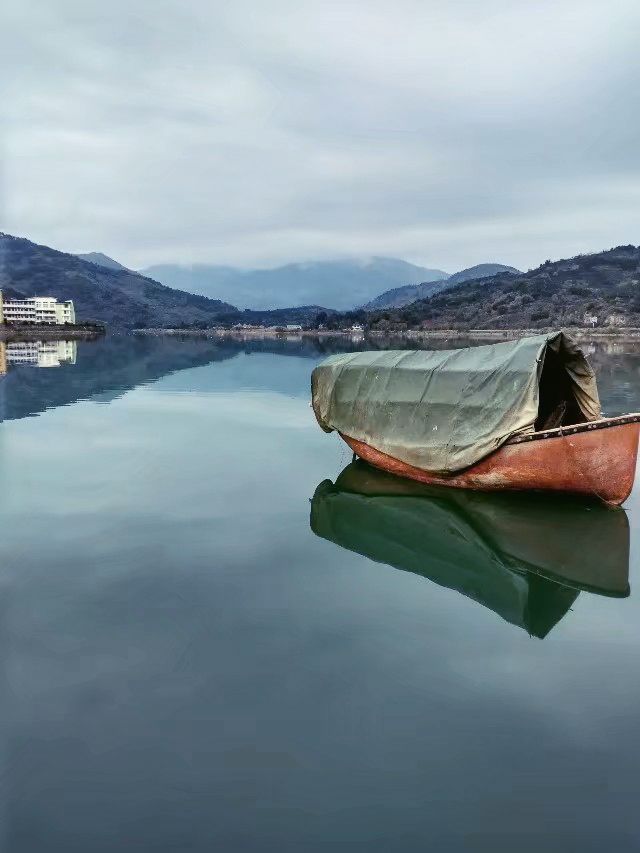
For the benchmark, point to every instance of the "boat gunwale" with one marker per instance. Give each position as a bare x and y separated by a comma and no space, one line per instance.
573,429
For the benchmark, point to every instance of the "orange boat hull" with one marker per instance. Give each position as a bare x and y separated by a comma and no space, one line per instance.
597,459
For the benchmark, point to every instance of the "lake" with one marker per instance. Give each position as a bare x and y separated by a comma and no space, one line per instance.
214,637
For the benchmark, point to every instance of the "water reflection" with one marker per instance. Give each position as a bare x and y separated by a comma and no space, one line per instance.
525,557
37,353
187,667
104,370
117,364
109,367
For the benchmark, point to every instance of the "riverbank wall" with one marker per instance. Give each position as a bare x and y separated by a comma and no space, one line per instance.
67,332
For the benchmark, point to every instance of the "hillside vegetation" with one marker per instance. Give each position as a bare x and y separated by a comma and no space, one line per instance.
400,296
119,298
571,292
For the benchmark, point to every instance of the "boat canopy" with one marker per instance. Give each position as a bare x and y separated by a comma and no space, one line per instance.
442,411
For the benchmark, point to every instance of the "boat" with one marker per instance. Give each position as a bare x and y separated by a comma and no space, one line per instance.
517,415
524,556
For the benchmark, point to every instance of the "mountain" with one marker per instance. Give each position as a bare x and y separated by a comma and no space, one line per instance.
604,285
399,296
119,298
342,285
102,261
204,279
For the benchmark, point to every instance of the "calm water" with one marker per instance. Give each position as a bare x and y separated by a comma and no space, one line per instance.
216,638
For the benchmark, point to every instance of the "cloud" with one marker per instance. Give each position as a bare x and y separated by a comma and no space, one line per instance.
449,133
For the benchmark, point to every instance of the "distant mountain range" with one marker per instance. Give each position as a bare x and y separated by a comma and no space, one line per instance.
600,289
400,296
604,285
342,285
104,291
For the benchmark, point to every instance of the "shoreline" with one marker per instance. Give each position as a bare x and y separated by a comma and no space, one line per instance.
50,333
579,334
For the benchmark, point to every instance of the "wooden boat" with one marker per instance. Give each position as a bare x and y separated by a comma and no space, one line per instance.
517,415
596,459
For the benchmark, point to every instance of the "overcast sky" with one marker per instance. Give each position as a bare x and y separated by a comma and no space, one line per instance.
446,132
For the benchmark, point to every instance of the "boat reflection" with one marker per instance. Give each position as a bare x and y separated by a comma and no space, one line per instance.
524,556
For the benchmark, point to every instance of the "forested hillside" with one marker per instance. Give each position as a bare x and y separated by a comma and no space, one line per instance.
600,289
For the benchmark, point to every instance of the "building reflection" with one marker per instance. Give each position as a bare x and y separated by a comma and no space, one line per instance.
37,353
524,556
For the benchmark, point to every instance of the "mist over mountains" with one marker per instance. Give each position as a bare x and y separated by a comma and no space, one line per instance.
596,289
106,292
340,284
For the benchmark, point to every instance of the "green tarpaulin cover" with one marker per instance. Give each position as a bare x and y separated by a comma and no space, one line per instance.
443,411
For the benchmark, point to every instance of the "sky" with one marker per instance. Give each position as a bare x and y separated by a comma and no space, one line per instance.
444,132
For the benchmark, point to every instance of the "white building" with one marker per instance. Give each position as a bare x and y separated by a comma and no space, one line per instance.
37,309
41,353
